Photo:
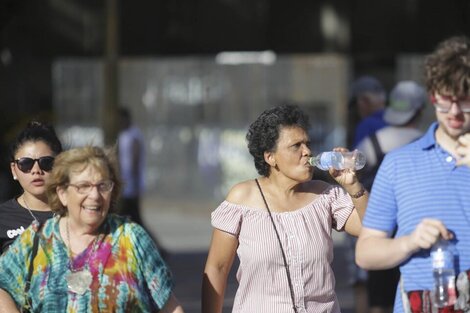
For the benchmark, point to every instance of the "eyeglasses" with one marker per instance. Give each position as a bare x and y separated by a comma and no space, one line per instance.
445,104
26,164
85,188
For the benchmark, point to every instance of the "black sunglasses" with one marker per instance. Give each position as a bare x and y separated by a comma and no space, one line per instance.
26,164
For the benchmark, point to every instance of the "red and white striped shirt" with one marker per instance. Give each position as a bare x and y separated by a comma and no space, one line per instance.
306,239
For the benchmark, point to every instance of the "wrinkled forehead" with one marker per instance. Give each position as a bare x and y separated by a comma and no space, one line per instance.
88,172
292,133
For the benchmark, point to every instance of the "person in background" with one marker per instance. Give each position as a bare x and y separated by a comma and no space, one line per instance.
406,103
131,153
132,165
31,158
368,98
85,259
403,113
280,224
366,110
421,189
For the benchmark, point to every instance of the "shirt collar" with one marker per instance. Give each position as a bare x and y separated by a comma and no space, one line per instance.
428,141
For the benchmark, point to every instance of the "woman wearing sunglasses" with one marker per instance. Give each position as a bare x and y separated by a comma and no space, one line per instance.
32,156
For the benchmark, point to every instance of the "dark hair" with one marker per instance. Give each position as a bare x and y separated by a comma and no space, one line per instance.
124,113
263,133
447,69
75,160
33,132
124,118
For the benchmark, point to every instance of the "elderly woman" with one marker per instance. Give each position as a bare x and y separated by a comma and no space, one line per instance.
280,224
85,259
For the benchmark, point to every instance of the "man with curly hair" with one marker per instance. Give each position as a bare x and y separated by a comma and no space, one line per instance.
422,190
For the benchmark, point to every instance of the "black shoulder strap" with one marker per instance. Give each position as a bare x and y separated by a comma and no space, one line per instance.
284,258
378,151
31,265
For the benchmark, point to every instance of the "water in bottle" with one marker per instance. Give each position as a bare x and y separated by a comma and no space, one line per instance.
339,160
442,254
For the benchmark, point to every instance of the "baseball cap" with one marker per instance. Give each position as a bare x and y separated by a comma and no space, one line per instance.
406,98
365,84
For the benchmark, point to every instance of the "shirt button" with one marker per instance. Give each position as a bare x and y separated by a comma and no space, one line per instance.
449,159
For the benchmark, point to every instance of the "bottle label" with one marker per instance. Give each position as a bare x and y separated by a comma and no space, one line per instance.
451,290
442,259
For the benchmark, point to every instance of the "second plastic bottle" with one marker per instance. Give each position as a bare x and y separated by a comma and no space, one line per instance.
442,254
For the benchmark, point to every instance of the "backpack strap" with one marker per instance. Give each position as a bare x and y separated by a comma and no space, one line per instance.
367,176
379,154
31,266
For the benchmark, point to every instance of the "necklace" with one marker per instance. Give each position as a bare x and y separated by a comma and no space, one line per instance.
29,210
79,280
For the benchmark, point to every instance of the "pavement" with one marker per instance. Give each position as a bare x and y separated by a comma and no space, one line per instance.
183,228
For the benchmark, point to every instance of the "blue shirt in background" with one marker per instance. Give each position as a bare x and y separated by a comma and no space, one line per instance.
368,126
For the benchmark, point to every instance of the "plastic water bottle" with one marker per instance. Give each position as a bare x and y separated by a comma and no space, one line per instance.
442,254
339,160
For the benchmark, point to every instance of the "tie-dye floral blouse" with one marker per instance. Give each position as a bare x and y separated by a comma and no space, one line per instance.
128,273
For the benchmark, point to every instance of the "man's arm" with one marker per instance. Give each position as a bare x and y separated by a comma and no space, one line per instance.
375,250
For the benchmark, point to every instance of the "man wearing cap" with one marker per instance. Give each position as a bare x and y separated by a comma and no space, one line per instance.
422,190
368,99
406,102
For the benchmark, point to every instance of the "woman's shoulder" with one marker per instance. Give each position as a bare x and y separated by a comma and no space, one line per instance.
118,222
242,192
9,205
119,225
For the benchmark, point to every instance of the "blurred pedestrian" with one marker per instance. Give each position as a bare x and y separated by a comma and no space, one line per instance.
368,98
421,190
132,165
31,158
406,102
85,259
402,115
131,152
366,110
280,224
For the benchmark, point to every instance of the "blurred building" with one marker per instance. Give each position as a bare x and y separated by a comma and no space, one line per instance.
192,101
195,111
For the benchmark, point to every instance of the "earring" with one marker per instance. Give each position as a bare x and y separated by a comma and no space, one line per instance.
15,178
